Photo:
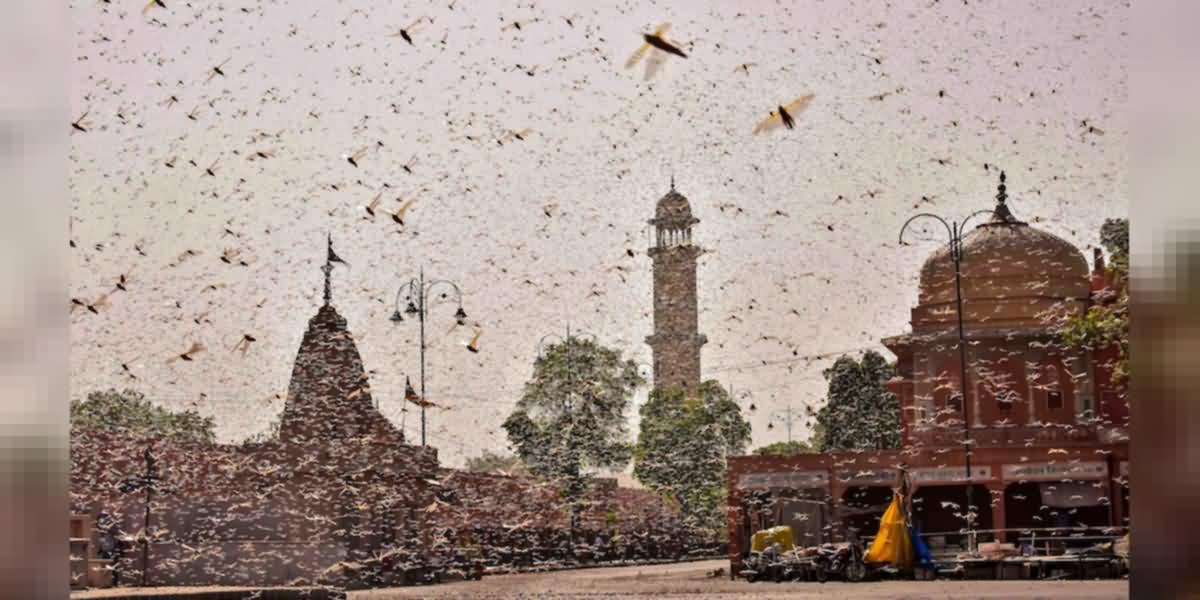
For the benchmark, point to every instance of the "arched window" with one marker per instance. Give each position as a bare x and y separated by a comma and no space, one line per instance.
1049,383
954,403
1005,399
1054,400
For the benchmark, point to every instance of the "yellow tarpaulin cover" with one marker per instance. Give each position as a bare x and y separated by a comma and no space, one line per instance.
776,535
893,544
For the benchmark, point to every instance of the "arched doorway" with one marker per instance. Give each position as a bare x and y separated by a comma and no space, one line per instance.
862,508
1056,511
939,513
1022,508
804,510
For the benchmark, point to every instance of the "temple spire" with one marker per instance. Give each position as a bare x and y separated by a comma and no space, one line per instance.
330,258
327,268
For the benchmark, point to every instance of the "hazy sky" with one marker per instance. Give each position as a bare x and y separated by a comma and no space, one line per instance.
1016,78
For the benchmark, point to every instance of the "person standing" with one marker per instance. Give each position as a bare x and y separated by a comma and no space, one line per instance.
110,545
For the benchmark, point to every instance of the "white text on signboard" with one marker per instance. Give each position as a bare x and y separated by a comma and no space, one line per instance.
786,479
950,474
1051,471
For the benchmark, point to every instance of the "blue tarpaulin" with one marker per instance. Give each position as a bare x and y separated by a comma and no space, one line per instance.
923,556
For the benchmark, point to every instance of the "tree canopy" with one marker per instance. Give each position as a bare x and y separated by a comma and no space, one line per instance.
859,413
130,412
1114,236
571,416
682,445
1107,322
791,448
491,462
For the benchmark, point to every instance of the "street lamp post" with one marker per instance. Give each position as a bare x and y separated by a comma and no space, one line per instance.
955,230
148,482
575,466
417,296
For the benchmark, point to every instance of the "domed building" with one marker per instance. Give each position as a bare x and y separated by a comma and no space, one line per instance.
1019,285
1048,425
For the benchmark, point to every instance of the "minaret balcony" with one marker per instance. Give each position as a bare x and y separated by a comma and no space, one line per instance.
670,338
683,250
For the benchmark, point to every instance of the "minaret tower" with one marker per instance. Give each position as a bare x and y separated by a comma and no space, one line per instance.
676,341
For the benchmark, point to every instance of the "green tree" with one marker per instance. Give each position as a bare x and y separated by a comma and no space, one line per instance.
571,417
859,413
1106,323
785,449
128,411
1114,236
491,462
682,445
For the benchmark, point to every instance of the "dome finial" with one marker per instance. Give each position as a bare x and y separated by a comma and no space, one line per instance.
672,182
1001,212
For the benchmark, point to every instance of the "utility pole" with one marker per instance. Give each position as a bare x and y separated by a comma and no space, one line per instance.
575,474
790,417
149,483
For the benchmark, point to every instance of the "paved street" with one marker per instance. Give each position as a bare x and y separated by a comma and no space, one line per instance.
689,580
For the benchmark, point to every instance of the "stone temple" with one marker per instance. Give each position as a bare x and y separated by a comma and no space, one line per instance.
337,488
336,484
330,396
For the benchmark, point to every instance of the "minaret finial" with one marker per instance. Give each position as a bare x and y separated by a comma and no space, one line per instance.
1001,212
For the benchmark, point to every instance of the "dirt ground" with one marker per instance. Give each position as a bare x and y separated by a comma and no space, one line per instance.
690,580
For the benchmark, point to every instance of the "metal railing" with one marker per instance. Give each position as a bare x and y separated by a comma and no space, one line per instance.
1057,542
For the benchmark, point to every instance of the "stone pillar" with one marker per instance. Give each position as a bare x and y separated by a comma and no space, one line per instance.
1078,365
836,490
996,500
1116,496
733,521
920,386
1032,373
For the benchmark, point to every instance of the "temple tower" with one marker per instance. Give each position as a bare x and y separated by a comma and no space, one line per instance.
329,397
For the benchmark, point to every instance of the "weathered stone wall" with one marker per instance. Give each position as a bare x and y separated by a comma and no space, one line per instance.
224,509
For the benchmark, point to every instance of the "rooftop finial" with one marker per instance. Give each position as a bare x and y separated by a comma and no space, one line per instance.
1001,212
330,258
672,182
327,268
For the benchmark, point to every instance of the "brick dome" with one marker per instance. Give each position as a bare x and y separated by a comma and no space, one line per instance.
1006,258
